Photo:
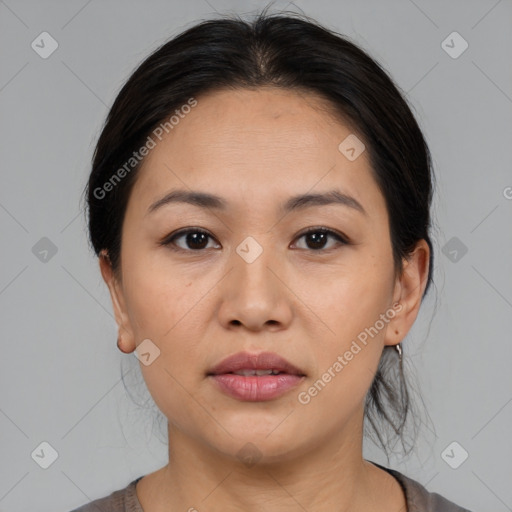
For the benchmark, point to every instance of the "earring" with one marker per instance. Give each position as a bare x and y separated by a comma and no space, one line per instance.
398,348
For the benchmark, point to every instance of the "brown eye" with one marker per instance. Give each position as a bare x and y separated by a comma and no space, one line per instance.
316,239
193,239
196,240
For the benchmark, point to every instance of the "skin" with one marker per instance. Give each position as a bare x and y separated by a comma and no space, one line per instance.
256,148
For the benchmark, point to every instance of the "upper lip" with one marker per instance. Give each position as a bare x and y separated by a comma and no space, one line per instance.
261,361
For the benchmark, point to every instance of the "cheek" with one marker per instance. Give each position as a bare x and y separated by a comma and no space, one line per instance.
353,298
158,300
353,305
163,311
347,361
165,307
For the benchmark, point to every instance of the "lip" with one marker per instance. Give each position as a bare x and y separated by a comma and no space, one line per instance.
255,388
261,361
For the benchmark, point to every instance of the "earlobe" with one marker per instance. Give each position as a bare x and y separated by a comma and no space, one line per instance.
408,292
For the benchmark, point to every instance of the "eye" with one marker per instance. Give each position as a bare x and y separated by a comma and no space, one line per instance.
195,239
316,238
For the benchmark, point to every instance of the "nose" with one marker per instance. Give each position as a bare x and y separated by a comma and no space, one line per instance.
254,294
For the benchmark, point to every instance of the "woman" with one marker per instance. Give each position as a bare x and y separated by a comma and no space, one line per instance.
259,202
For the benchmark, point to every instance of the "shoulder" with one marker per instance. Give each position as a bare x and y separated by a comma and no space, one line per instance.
122,500
419,499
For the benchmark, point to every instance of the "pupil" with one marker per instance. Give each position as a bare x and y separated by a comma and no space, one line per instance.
194,238
318,239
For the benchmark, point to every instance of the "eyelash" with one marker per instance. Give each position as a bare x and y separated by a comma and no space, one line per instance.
169,240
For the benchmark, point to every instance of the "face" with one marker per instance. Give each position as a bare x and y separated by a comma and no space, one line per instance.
310,281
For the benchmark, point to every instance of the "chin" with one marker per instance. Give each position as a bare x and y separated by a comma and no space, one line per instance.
261,444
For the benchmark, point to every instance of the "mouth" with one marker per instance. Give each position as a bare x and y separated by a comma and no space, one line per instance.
246,372
265,363
255,377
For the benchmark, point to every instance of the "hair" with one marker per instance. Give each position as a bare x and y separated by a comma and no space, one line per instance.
291,52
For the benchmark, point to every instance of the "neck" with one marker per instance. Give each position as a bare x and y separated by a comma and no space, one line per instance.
326,477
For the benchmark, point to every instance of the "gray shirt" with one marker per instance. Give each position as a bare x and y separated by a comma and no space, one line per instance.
417,497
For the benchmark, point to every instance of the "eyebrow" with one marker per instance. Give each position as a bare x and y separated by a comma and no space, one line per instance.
299,202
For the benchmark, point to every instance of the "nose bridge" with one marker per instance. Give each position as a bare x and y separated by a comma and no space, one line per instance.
252,259
253,296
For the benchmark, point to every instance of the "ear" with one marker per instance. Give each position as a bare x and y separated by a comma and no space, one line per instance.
408,292
118,302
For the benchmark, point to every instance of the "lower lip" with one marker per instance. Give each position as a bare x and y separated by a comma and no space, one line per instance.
256,388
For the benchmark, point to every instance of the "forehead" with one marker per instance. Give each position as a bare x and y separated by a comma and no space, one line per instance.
252,144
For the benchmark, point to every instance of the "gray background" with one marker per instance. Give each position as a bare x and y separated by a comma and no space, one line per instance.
60,370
